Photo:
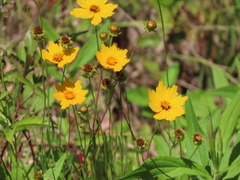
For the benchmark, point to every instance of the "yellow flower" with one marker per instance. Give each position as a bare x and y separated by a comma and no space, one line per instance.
166,102
70,93
94,9
112,57
56,54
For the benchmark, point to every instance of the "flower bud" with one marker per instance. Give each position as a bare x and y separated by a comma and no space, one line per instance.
105,84
151,25
51,164
38,175
103,36
114,30
179,135
11,5
197,138
140,144
88,70
83,109
5,11
38,33
65,42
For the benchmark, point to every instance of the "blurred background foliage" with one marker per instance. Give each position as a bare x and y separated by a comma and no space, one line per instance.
202,45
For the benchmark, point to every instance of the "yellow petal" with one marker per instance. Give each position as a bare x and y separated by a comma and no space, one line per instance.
82,13
84,4
107,10
96,19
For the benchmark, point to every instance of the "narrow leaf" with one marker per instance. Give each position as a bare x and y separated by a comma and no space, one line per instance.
229,121
56,170
28,122
201,156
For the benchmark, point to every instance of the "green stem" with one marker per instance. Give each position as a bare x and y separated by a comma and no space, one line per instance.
164,41
150,142
53,174
193,153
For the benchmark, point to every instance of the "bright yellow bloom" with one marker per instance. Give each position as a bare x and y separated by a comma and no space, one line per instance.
70,93
166,102
94,9
112,57
56,54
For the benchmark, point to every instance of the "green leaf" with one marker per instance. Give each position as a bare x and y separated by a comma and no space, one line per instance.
9,132
226,91
28,122
57,169
219,78
167,168
138,96
37,90
51,33
4,94
201,156
237,61
229,121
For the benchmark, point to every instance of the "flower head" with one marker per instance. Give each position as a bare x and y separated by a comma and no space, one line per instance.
140,144
197,138
88,70
179,135
94,10
70,93
112,57
56,54
166,102
38,33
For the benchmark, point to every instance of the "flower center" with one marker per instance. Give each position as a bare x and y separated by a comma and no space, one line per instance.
165,105
58,57
111,61
94,8
69,95
140,142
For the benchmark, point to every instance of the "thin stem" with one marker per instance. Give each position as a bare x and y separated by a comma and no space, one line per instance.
193,152
150,142
53,174
164,41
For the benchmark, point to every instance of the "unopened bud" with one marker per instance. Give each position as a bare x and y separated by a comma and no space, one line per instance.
65,42
114,30
179,135
38,33
5,11
197,138
103,36
151,25
83,109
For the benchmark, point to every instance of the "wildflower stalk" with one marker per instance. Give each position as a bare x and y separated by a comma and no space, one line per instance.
164,41
53,174
150,142
193,153
135,47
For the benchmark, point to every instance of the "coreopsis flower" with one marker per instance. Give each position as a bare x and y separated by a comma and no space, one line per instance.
94,10
166,103
56,54
112,57
70,93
